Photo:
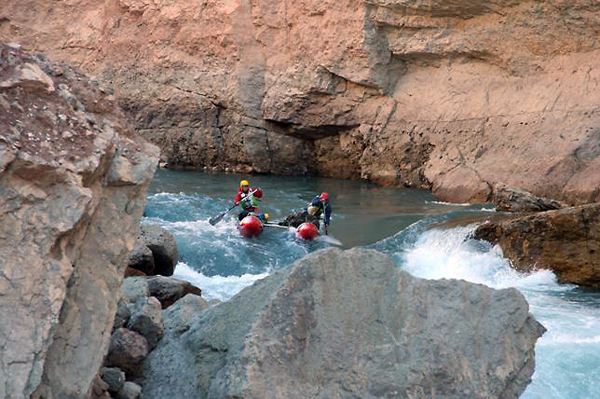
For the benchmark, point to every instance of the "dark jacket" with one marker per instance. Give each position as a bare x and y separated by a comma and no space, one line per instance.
322,207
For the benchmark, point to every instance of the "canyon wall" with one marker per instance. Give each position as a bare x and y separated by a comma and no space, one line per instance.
449,95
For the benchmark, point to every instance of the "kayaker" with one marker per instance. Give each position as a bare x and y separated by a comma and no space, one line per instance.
248,198
318,208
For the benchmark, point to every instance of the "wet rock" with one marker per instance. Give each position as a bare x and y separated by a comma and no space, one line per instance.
514,199
168,290
566,241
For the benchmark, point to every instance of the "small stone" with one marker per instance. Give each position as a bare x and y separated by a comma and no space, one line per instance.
114,378
130,390
127,351
148,320
122,316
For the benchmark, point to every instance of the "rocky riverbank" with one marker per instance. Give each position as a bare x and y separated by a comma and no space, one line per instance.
566,241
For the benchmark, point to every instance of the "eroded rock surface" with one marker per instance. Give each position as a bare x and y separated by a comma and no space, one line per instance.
69,168
452,96
566,241
349,324
514,199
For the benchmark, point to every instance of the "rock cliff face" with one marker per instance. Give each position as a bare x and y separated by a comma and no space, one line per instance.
349,325
72,191
449,95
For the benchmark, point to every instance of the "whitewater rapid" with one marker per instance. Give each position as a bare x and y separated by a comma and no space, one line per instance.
404,224
567,355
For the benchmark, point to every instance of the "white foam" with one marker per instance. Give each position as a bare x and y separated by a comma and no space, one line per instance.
568,338
448,203
216,287
450,254
330,240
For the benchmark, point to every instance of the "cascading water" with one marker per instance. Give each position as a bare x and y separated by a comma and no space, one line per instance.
403,223
568,354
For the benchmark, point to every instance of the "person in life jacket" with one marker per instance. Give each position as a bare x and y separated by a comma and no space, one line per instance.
320,209
317,209
248,198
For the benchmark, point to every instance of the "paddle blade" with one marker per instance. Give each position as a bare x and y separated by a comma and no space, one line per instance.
216,219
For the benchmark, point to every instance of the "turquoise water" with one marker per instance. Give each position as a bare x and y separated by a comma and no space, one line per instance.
404,223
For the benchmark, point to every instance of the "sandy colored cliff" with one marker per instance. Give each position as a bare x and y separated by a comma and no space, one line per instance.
449,95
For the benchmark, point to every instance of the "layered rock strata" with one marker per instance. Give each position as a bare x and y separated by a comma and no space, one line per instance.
349,324
72,190
452,96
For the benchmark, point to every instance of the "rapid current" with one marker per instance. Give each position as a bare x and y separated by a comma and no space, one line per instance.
428,239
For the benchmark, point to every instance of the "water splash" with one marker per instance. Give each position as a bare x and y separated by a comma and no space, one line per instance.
216,287
568,354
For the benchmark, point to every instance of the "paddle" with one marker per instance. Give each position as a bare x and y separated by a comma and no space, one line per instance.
276,225
216,219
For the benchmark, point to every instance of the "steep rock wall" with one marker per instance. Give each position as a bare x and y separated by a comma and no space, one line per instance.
449,95
72,191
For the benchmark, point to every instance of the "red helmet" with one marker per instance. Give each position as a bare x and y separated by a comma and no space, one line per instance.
324,196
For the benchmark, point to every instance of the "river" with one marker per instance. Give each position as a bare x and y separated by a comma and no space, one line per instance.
427,238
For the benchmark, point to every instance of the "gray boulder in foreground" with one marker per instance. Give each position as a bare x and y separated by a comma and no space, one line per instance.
351,324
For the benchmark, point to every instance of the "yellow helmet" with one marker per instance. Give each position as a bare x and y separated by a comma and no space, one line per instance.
244,183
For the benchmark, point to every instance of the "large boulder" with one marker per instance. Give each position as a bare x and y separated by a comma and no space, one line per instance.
69,168
350,324
566,241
